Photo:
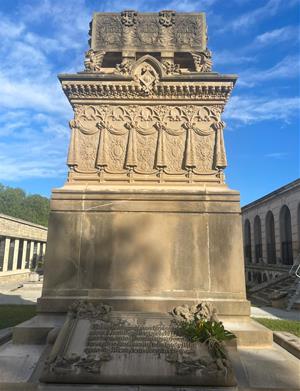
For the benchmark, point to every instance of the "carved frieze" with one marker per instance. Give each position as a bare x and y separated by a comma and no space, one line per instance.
161,91
151,31
140,140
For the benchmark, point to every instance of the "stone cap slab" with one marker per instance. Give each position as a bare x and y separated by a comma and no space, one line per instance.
156,31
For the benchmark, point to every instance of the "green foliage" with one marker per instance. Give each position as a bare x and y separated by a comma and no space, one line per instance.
209,332
14,202
291,326
11,315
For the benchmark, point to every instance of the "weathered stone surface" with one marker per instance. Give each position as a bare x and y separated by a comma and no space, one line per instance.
96,345
152,32
142,249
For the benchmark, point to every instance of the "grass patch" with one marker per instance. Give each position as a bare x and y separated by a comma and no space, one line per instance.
12,314
291,326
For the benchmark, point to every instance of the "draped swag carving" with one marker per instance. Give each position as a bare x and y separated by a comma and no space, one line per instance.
137,142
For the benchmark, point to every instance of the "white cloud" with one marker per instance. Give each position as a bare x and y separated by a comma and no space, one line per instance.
272,37
255,109
188,5
276,155
287,68
30,94
230,57
37,145
10,29
245,21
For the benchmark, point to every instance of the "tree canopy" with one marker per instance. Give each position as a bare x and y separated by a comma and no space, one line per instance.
16,203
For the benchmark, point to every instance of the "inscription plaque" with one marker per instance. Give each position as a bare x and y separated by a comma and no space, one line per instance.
120,338
102,347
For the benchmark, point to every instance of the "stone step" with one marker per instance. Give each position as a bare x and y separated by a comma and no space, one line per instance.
5,335
35,330
249,333
288,341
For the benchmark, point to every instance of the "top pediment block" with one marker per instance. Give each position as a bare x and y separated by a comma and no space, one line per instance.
148,32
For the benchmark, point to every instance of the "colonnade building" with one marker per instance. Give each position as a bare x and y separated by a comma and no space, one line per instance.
271,229
22,245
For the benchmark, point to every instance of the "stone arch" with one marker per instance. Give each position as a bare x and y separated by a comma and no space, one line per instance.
247,241
257,238
270,238
286,236
148,59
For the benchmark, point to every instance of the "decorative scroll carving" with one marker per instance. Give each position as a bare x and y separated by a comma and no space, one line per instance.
147,140
125,67
202,61
201,311
93,60
88,310
171,68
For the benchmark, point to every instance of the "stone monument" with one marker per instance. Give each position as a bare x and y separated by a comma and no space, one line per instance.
145,221
144,239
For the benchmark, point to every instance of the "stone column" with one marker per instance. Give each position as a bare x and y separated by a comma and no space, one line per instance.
43,249
25,244
6,253
276,214
264,237
38,248
15,257
31,253
293,206
252,239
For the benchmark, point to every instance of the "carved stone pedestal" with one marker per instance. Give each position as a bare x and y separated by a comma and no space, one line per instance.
145,221
145,248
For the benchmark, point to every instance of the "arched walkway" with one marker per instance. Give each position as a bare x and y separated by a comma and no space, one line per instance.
257,238
247,241
270,238
286,236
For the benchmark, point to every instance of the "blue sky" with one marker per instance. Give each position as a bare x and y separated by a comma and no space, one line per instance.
256,39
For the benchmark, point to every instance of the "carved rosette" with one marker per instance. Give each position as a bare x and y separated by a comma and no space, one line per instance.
140,143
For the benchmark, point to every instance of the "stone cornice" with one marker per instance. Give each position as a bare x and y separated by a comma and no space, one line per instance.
212,87
188,77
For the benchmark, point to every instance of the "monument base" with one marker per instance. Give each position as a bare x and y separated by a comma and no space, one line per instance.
142,248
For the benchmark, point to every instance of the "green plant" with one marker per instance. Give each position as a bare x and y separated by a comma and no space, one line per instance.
212,333
13,314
